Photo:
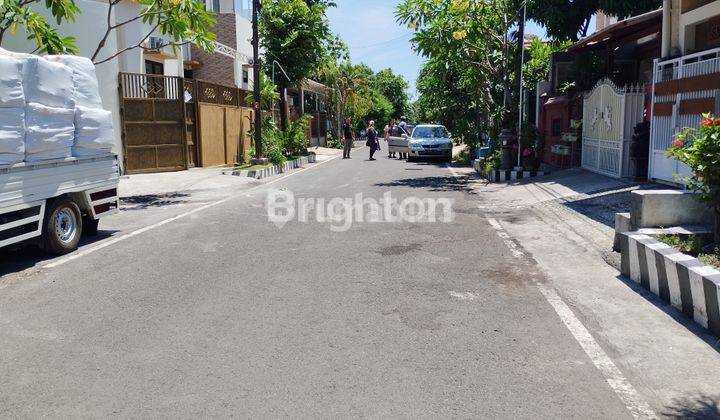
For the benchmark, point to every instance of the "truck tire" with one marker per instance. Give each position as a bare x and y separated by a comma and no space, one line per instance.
63,227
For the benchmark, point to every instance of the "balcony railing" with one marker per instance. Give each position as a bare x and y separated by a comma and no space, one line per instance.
697,64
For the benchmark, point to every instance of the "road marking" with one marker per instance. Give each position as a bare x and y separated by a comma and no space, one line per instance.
494,223
134,233
463,295
612,374
614,377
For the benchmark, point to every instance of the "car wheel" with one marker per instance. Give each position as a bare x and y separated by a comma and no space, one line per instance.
63,227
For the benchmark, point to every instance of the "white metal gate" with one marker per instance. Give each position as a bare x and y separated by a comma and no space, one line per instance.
679,106
609,117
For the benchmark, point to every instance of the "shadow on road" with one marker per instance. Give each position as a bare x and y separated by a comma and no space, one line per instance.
29,255
602,209
431,183
141,202
698,407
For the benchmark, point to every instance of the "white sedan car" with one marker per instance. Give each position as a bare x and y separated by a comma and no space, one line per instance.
430,141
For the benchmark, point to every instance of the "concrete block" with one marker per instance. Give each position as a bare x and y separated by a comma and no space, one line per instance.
659,208
622,225
681,280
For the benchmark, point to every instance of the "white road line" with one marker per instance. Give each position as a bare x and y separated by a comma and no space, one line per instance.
117,239
614,377
494,223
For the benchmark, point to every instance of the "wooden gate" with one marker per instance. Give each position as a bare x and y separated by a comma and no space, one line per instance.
609,117
223,124
153,123
683,89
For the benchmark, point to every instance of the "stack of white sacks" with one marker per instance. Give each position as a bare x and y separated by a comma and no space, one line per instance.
50,108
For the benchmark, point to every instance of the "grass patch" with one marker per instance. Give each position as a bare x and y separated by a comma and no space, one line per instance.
698,246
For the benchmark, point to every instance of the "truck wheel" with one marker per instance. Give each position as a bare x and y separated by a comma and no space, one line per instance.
63,227
90,226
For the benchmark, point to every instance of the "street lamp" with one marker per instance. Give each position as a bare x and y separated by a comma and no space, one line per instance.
273,82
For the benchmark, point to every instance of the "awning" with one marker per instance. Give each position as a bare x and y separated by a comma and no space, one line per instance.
630,29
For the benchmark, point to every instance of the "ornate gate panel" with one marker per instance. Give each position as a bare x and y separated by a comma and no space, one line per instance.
609,116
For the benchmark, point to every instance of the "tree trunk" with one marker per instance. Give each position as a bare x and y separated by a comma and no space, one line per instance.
283,108
518,64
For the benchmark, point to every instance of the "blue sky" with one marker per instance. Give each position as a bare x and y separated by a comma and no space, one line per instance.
369,29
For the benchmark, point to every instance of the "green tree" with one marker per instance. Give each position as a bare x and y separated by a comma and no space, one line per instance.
268,93
537,60
296,33
15,14
178,21
381,110
570,19
466,78
394,88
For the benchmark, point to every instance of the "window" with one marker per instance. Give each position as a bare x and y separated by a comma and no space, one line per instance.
213,5
430,132
246,77
152,67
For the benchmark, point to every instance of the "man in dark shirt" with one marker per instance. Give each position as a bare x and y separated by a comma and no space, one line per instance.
349,138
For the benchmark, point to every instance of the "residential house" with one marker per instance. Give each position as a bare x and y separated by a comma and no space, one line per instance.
620,52
88,29
686,79
231,64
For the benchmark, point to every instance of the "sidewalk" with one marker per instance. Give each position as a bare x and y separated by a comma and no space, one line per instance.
565,221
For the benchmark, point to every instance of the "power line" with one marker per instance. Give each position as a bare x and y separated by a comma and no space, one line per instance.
383,42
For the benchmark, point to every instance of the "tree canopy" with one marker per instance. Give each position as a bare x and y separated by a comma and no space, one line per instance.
570,19
16,14
394,88
180,21
295,33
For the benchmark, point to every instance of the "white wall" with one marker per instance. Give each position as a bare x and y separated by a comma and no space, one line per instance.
690,19
243,33
88,28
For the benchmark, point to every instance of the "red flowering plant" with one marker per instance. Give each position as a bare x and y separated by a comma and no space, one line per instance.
699,149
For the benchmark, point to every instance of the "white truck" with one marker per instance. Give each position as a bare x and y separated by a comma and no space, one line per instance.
55,202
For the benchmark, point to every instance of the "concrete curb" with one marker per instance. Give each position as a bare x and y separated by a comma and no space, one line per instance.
274,170
502,175
677,278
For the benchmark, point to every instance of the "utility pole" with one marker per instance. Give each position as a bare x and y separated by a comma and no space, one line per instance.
257,68
521,44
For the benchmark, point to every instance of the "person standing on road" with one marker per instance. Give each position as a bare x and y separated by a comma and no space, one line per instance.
372,139
403,130
349,138
388,132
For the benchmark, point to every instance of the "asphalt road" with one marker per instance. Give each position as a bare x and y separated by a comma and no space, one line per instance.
221,313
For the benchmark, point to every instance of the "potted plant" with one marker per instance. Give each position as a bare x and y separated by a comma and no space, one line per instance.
699,149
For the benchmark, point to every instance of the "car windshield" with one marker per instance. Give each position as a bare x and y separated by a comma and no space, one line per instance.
430,132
